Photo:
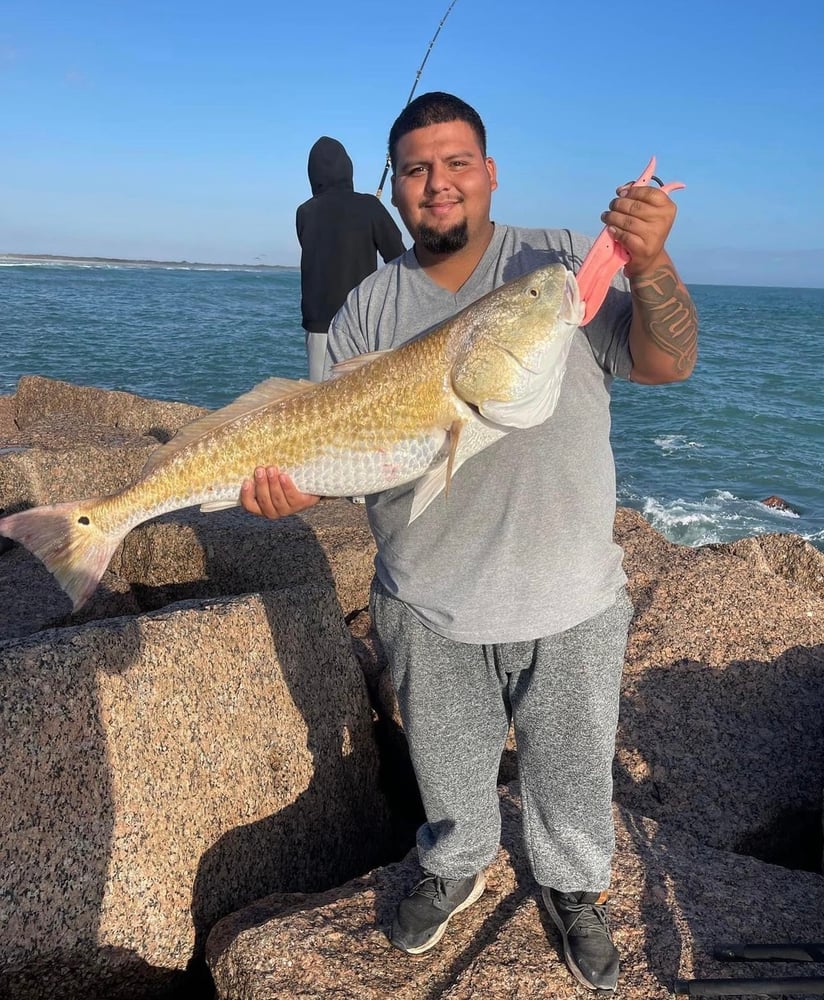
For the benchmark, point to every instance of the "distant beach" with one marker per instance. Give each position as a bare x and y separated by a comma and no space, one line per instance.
187,265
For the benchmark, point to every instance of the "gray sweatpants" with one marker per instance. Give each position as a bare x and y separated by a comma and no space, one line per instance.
456,701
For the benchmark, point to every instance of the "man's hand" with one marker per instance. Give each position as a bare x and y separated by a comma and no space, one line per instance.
272,494
663,335
640,219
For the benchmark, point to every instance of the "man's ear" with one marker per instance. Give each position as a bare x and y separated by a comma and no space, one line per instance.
492,170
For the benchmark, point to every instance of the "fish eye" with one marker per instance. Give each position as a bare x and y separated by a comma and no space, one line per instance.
534,293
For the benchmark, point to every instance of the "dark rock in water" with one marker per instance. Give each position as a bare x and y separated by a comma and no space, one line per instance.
779,503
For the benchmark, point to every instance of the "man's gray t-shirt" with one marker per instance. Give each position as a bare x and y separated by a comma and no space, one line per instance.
522,546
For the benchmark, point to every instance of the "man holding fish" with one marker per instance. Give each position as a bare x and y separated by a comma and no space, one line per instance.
505,600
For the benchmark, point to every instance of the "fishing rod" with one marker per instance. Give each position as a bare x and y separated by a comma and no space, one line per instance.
387,165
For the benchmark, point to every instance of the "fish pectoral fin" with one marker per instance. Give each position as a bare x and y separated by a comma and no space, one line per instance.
354,363
439,476
213,505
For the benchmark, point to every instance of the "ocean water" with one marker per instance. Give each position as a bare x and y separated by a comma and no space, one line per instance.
695,458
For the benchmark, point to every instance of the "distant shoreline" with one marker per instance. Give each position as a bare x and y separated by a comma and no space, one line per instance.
48,258
188,265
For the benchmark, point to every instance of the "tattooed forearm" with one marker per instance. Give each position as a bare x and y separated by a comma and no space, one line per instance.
663,305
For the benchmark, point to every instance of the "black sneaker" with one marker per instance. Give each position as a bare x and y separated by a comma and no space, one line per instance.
422,917
589,953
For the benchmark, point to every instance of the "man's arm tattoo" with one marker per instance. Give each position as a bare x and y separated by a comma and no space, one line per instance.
668,316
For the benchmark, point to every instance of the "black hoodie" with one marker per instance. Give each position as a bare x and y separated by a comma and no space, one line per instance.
340,232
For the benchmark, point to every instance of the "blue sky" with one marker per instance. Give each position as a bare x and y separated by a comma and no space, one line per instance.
179,131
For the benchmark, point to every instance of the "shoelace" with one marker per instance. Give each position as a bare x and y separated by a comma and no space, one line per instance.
431,887
587,917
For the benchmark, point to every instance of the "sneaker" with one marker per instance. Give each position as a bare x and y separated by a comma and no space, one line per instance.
589,953
422,917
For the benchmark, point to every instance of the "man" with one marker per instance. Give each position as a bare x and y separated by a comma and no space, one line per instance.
340,232
506,600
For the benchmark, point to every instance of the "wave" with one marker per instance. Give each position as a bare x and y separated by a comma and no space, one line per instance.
718,517
676,442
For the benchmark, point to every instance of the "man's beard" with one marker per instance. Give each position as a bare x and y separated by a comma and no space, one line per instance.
438,242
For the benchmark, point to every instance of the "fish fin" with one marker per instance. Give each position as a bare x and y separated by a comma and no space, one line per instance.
66,539
454,437
428,487
439,476
273,390
210,508
354,363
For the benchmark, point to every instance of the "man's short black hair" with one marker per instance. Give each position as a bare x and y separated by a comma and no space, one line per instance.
435,108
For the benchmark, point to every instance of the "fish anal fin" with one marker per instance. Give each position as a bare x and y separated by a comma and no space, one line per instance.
273,390
214,505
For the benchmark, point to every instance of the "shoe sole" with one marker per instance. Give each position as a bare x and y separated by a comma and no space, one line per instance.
570,961
440,930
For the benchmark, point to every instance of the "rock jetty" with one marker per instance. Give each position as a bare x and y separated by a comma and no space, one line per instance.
204,782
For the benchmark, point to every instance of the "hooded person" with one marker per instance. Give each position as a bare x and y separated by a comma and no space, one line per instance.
340,232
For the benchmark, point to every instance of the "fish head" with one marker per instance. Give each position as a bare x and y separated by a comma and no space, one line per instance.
511,346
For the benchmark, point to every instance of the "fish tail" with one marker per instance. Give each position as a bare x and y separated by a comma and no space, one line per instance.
67,540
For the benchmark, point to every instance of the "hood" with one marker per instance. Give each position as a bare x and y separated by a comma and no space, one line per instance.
329,166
